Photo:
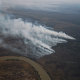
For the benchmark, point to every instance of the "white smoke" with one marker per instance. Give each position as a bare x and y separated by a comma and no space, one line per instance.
27,38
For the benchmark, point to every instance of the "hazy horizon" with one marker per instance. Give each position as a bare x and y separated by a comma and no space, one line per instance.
67,6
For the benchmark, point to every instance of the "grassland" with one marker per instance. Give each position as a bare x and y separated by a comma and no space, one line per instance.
65,63
21,68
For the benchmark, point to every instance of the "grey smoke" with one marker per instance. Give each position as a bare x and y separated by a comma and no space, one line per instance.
27,38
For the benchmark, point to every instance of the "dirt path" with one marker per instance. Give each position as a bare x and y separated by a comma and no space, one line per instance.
43,74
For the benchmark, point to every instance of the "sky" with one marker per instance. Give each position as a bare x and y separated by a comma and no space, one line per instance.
46,5
38,3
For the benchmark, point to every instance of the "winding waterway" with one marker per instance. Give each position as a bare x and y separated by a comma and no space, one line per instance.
43,74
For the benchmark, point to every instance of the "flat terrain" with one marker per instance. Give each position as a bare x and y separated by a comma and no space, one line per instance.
17,70
65,63
21,68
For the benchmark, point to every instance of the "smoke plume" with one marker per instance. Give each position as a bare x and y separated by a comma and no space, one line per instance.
27,38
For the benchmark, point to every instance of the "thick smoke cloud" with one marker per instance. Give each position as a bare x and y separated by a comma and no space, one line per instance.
27,38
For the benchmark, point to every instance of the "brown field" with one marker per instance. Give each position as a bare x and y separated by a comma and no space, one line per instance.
21,68
17,70
65,63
